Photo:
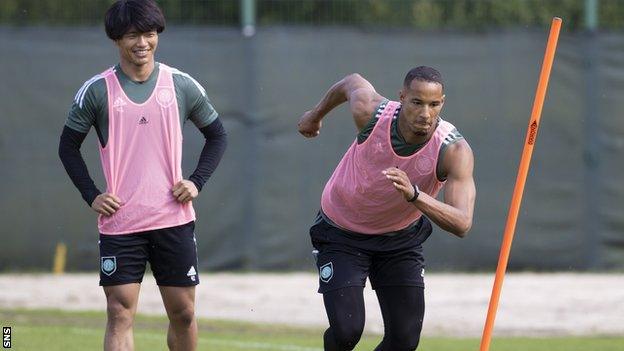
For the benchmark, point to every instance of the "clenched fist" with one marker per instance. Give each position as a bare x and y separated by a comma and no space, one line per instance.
309,124
184,191
401,182
106,204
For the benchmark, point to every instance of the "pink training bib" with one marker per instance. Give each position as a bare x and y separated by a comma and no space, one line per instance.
359,198
143,157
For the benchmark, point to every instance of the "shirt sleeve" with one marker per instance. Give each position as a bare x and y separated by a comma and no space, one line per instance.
199,108
202,112
69,153
84,109
370,125
214,147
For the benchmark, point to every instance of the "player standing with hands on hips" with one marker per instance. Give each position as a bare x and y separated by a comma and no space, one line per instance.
138,108
377,206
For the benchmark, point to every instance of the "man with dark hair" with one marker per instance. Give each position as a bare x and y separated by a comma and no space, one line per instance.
138,108
377,206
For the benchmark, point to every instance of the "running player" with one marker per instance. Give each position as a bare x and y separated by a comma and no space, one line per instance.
138,108
377,206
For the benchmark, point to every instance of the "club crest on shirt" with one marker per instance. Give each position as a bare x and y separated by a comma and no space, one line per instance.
326,272
109,265
164,96
424,165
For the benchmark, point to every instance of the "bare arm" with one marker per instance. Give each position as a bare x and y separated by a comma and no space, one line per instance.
455,213
362,97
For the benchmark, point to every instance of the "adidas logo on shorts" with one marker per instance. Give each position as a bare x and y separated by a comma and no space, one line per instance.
192,273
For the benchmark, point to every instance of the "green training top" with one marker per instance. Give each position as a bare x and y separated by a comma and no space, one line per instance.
90,106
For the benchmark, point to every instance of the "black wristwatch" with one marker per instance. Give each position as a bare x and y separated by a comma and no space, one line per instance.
416,193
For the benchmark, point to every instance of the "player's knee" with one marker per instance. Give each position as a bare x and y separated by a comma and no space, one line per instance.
347,336
118,314
183,317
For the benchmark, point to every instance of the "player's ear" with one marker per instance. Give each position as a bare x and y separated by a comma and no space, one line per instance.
401,94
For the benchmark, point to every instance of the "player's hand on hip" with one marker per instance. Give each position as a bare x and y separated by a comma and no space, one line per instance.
401,181
184,191
309,124
106,204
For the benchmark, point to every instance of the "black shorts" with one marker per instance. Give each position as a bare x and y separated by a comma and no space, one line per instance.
171,252
347,258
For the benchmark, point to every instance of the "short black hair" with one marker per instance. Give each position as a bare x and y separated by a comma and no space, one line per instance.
142,15
424,74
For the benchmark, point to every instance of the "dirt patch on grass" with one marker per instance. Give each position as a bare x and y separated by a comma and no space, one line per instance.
531,304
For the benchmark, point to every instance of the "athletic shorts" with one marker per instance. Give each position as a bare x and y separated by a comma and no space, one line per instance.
346,258
171,252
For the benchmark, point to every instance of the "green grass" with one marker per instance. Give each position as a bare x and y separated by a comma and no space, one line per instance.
68,331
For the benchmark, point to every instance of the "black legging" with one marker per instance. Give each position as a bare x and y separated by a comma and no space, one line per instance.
402,309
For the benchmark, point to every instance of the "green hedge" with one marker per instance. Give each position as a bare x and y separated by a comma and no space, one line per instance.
422,14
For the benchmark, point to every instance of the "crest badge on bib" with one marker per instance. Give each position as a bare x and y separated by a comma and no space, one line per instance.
425,165
164,96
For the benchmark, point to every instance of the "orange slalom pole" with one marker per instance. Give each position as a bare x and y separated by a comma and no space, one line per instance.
523,169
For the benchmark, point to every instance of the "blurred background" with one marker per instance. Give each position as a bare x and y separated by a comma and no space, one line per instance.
265,62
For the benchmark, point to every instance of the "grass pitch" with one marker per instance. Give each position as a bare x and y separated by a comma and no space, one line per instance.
71,331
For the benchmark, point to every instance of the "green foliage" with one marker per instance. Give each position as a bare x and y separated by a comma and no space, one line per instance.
422,14
477,14
610,14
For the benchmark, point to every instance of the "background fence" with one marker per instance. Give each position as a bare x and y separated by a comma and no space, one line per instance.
255,211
